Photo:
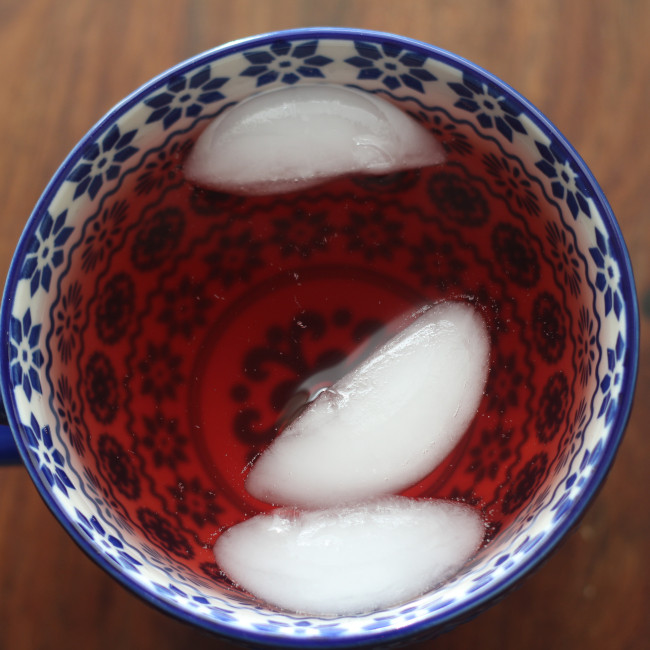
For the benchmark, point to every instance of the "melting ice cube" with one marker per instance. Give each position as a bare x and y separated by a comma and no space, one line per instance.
292,138
350,560
386,424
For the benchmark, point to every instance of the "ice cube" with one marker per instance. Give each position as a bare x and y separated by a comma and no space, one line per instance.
386,424
350,560
295,137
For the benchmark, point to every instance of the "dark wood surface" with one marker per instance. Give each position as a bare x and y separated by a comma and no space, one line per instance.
585,63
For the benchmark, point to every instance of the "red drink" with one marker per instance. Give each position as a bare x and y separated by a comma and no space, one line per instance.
207,321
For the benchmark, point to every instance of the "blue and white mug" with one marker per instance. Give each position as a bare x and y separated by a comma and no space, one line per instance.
131,292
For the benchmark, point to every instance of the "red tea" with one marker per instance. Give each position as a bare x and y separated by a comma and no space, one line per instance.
196,324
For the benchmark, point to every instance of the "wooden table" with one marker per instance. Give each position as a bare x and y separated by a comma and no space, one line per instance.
585,63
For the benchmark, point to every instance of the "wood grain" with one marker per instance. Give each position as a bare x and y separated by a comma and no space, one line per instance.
586,64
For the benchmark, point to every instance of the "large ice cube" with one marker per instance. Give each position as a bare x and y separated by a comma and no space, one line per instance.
386,424
295,137
350,560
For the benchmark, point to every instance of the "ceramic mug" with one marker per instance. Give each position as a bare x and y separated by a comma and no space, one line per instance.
157,335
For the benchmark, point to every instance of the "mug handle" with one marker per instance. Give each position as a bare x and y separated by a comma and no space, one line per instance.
8,451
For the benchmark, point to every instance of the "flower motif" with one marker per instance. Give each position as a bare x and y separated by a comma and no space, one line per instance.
458,199
67,318
286,63
101,389
301,232
51,462
392,65
164,440
575,432
69,414
549,327
119,466
517,259
491,108
25,356
525,483
235,258
196,501
435,263
505,381
373,234
610,386
185,97
45,251
101,161
509,178
114,547
565,259
185,307
101,491
102,235
164,534
446,132
585,345
552,407
608,276
115,308
493,450
164,168
580,418
160,372
157,238
565,183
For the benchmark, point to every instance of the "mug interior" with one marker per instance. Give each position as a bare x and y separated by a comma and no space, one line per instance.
161,333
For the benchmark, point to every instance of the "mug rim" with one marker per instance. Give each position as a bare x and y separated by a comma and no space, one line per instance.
470,606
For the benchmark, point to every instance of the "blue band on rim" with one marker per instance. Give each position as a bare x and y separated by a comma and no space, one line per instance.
8,451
